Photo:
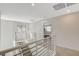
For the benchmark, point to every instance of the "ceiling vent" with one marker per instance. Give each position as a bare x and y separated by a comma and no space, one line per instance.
62,5
69,4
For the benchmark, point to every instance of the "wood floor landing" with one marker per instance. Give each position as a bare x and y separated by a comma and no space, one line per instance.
66,52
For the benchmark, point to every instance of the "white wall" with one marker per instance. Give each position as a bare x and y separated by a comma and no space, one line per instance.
8,29
66,29
7,34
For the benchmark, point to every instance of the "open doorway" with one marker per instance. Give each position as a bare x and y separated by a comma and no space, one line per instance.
47,30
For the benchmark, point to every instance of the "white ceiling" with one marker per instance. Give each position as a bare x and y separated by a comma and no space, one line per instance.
25,12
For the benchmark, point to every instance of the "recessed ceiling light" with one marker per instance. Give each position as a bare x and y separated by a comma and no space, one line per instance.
33,4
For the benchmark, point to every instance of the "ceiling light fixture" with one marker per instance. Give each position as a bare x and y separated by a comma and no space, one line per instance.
33,4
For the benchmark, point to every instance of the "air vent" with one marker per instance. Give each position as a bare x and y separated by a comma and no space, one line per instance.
59,6
62,5
69,4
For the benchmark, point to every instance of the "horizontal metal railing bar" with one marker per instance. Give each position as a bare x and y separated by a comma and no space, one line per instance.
41,50
33,46
51,52
15,48
31,43
30,48
35,50
8,50
38,45
46,52
24,49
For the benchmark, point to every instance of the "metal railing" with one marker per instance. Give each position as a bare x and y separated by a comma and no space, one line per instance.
38,48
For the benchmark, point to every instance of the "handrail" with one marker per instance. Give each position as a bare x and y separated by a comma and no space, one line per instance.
14,48
26,50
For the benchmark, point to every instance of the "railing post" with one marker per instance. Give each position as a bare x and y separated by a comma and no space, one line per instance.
49,45
36,48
